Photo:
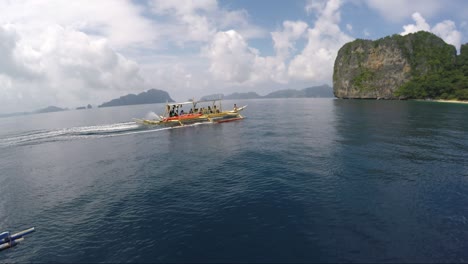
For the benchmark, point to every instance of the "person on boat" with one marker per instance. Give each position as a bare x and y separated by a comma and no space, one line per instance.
191,111
235,107
182,112
209,110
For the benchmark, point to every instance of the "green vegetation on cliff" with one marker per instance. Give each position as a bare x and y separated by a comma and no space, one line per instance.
418,65
446,76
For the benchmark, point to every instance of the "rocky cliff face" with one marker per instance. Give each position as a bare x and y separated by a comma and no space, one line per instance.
376,69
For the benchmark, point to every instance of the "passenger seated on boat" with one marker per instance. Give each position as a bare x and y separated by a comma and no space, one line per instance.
191,111
171,113
209,110
182,112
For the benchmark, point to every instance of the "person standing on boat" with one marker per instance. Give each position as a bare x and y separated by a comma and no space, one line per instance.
235,107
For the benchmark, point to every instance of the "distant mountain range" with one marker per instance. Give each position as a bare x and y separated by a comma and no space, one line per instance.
152,96
323,91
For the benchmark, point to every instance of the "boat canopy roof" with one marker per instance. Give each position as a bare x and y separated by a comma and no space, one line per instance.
192,102
182,103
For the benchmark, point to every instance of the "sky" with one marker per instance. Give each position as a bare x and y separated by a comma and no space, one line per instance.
74,53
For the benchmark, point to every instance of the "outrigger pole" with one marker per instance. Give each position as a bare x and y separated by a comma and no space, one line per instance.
9,241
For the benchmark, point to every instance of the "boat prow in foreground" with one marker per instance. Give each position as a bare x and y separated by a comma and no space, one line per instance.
186,113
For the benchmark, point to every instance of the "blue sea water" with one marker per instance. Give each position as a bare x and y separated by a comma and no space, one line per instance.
298,180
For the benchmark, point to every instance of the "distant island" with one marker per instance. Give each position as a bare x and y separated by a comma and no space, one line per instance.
50,109
416,66
84,107
151,96
323,91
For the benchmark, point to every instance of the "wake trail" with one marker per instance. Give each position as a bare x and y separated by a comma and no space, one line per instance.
33,137
84,132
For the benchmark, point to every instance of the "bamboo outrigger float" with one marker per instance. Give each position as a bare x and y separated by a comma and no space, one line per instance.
8,241
208,111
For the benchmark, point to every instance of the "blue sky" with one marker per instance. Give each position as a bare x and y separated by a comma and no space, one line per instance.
74,53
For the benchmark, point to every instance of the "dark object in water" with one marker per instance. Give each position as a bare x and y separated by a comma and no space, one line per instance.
9,241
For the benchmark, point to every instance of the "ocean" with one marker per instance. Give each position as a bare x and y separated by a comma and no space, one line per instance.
298,180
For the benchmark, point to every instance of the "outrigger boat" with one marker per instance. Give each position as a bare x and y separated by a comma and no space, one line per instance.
8,241
207,111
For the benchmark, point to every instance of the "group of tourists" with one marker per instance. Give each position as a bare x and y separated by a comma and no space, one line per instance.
176,110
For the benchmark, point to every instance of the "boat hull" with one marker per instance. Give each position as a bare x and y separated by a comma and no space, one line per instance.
185,120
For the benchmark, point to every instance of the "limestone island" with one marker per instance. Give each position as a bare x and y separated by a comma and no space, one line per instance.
416,66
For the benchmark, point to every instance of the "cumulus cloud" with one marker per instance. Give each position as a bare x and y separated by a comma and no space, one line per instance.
194,26
56,52
398,10
421,24
231,58
119,21
446,30
284,41
200,20
63,66
315,62
62,53
16,60
233,61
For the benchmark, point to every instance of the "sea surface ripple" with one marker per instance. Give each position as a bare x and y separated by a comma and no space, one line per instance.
298,180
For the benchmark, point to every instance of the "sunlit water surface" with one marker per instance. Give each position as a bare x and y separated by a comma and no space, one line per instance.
298,180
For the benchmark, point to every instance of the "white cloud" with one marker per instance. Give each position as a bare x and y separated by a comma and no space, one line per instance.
15,59
193,26
315,6
421,24
235,63
231,58
284,41
398,10
119,21
64,53
64,67
446,30
315,62
69,54
200,20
